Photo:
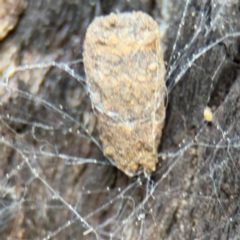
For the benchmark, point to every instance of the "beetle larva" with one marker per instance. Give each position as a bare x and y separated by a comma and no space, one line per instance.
125,74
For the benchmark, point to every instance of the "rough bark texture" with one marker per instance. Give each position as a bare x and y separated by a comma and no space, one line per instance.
55,181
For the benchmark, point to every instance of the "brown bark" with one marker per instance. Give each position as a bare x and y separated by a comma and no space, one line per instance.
55,181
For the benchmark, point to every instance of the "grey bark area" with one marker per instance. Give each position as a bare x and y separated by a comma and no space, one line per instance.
55,182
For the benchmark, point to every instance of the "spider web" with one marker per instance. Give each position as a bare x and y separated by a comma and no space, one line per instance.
55,182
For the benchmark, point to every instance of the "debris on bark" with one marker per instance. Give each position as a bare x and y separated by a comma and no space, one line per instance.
125,73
